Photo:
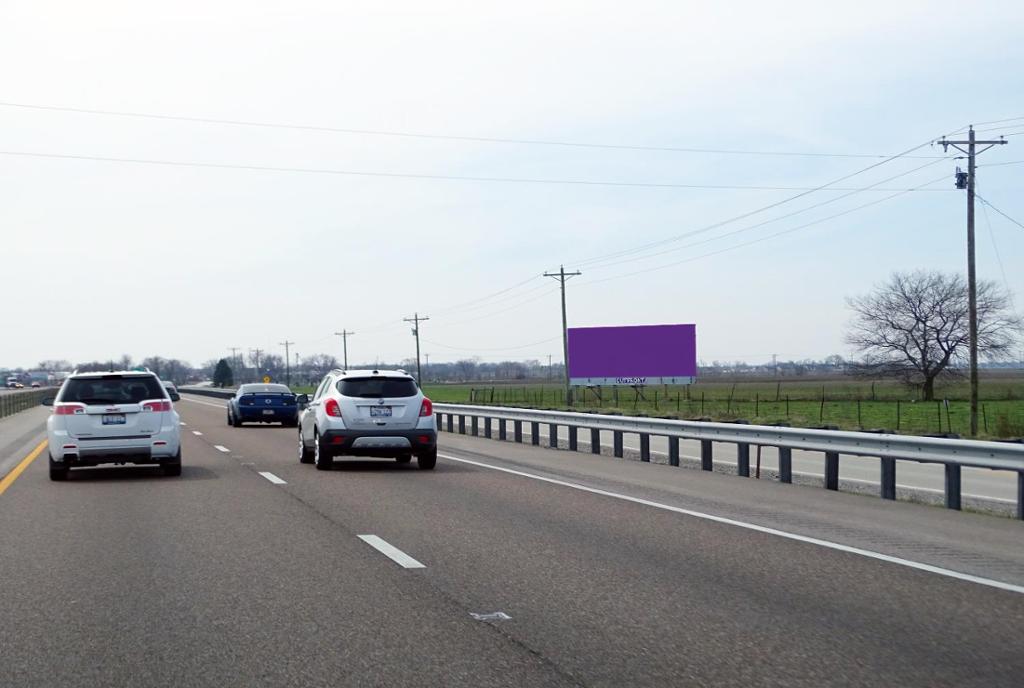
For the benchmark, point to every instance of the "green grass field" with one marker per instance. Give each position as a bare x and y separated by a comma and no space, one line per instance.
846,404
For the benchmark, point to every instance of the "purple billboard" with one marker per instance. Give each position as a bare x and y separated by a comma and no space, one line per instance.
633,355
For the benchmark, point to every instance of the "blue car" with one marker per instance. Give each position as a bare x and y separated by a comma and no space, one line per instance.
263,403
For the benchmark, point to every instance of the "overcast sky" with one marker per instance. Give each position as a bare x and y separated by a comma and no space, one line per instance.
104,258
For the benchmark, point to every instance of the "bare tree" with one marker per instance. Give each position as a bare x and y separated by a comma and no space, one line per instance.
915,326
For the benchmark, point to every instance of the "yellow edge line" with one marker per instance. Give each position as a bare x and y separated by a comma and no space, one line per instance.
13,475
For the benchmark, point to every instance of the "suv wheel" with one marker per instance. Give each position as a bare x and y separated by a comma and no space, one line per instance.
231,420
305,453
321,458
58,471
427,460
172,468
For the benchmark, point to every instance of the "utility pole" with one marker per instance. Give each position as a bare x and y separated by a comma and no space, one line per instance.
550,369
234,359
562,276
287,362
256,354
415,320
972,287
344,334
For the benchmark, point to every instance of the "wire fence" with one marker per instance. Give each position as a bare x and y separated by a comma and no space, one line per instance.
1003,418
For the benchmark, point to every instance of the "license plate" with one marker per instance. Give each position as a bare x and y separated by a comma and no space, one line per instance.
114,419
380,411
268,412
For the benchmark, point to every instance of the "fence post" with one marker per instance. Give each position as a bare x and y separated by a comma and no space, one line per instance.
535,433
595,441
785,465
617,443
645,446
743,460
831,471
502,429
451,422
952,485
462,424
487,427
475,425
706,459
553,435
572,437
517,431
888,478
673,451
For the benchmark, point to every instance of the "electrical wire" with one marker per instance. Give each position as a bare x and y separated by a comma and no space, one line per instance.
999,258
758,240
411,175
443,137
999,211
742,216
754,226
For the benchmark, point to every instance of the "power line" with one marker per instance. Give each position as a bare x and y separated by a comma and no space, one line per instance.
413,175
995,248
442,137
760,239
756,211
998,210
754,226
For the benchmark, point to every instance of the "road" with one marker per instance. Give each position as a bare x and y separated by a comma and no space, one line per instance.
249,570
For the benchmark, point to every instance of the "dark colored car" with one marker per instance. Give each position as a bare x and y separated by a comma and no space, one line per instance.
263,403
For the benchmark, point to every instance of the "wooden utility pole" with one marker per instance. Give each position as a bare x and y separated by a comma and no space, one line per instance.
562,276
287,362
255,353
344,334
972,287
416,319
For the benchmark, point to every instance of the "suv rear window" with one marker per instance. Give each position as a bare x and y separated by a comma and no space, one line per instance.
113,389
377,387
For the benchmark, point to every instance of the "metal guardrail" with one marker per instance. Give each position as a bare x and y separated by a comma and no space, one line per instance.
15,402
953,454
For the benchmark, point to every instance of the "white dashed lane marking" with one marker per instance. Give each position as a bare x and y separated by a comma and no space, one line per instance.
221,448
272,478
393,553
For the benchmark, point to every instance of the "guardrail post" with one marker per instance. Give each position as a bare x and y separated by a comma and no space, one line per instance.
438,415
831,470
572,437
645,447
474,425
534,433
1020,495
502,429
617,443
785,465
952,486
673,451
451,422
553,436
706,456
743,460
517,431
487,427
595,441
462,424
888,478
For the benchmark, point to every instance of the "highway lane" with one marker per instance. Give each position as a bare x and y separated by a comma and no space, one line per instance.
227,571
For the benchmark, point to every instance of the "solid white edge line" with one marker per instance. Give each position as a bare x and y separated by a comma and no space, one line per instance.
752,526
197,433
221,448
393,553
272,478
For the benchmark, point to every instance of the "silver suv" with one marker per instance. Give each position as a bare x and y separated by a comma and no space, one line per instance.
367,413
115,417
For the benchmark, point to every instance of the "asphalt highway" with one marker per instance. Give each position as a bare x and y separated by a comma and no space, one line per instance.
507,565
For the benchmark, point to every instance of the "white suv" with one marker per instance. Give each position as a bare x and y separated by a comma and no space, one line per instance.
367,413
116,417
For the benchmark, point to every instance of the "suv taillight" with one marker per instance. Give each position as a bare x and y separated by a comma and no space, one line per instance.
156,406
332,409
426,408
68,409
